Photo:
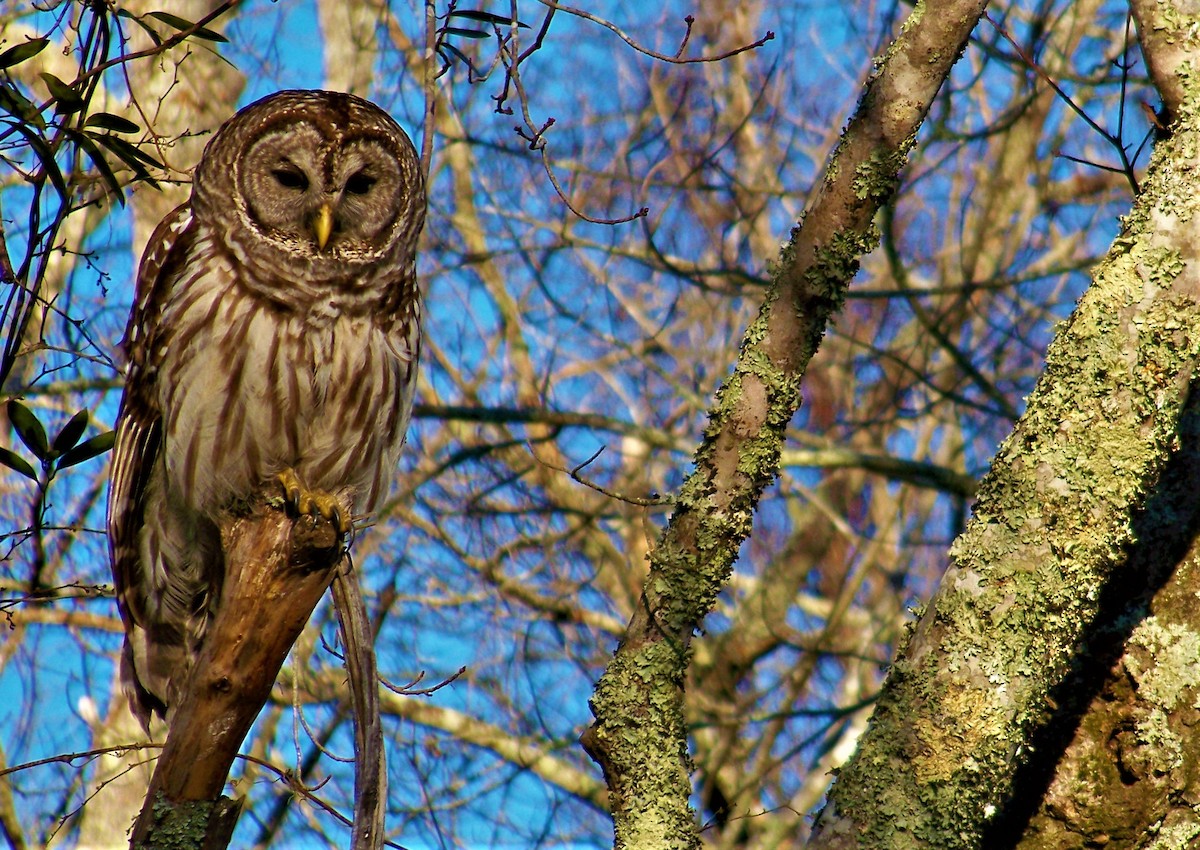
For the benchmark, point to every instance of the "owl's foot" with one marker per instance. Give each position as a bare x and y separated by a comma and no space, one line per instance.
315,503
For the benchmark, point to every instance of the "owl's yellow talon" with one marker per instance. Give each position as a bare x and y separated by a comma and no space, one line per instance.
292,488
315,503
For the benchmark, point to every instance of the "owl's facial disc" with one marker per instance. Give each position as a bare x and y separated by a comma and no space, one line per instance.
318,195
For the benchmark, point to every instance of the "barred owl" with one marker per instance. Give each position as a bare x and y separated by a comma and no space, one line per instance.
274,337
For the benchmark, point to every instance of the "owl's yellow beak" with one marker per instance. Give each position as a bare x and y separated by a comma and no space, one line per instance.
323,225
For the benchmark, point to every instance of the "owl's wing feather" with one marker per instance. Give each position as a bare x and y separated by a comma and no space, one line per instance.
164,255
139,437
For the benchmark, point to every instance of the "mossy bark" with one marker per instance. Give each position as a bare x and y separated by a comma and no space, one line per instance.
1056,521
190,825
1119,764
1126,718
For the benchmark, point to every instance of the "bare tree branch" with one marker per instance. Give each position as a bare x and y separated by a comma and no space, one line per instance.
276,569
638,737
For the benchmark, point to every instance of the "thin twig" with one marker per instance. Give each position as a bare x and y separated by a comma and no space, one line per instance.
71,758
653,500
677,59
1127,166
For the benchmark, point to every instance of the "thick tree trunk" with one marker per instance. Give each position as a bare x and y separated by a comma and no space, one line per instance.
1118,764
1035,584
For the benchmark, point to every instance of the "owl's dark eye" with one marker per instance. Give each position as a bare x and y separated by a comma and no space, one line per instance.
290,179
360,183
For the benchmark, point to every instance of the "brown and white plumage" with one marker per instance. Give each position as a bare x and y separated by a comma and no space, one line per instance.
275,329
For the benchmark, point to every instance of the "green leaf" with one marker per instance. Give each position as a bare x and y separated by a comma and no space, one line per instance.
31,432
16,104
18,54
88,449
486,17
181,25
70,433
68,100
114,144
131,155
17,463
465,33
44,154
447,46
108,121
97,157
154,36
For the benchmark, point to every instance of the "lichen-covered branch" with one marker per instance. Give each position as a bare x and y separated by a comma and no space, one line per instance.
1054,524
1167,46
1117,765
638,737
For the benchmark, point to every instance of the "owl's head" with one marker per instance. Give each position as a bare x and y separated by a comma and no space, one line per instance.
314,180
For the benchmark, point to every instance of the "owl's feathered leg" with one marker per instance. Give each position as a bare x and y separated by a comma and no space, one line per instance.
315,503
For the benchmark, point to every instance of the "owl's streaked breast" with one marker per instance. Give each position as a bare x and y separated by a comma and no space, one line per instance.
254,389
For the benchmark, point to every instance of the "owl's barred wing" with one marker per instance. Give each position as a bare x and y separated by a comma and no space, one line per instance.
161,260
138,421
138,441
134,455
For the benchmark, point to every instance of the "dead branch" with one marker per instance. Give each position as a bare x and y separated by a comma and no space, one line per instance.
276,570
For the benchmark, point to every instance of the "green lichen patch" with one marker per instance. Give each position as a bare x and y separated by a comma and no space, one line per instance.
1167,672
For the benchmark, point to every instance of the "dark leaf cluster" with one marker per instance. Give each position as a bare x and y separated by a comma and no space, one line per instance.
56,454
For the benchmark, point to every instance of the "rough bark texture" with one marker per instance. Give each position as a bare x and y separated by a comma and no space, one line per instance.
1058,519
276,570
192,825
639,737
1167,46
1129,771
